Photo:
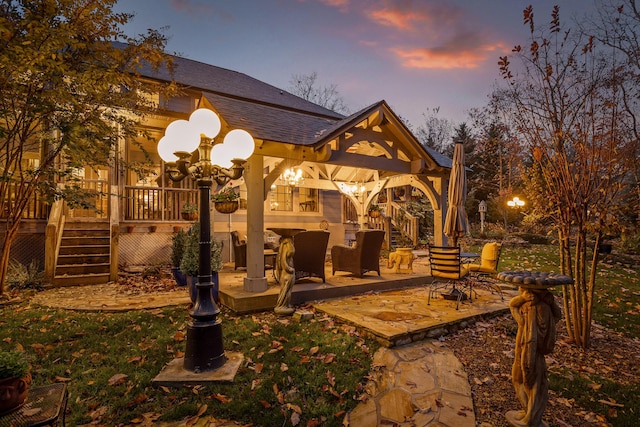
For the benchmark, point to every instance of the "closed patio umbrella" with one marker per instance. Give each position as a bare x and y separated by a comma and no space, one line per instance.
455,224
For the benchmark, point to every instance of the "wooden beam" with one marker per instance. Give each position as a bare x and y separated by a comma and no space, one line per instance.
361,161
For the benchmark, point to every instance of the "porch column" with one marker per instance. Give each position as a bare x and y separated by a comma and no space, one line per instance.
441,187
256,280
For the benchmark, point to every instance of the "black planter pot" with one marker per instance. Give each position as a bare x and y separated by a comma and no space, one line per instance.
605,248
181,278
192,280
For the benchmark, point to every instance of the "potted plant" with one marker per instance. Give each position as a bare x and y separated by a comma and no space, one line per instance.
189,211
226,201
374,210
189,264
15,380
178,242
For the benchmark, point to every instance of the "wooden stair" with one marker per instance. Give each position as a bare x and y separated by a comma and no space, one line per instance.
84,254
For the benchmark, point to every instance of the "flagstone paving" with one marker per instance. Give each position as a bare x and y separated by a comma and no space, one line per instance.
415,381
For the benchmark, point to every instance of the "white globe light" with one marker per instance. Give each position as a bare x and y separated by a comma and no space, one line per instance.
241,142
184,136
166,150
221,155
205,122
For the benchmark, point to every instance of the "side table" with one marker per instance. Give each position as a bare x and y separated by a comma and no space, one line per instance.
44,407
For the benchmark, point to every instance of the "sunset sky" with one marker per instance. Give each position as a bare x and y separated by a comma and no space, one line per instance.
415,54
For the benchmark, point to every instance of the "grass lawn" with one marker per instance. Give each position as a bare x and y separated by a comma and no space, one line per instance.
311,371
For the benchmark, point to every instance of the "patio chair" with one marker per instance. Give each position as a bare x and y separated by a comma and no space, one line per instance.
488,266
239,251
364,256
311,252
446,264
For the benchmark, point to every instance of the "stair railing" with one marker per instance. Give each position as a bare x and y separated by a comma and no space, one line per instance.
410,227
53,237
114,238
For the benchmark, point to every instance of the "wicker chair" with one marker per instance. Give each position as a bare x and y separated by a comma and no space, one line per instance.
361,258
239,251
311,251
446,264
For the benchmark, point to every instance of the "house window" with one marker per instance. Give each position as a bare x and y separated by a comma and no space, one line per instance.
308,200
281,198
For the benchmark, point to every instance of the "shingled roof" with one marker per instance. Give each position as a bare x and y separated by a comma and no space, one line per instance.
267,112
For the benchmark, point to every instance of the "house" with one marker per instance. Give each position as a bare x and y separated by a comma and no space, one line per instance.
347,163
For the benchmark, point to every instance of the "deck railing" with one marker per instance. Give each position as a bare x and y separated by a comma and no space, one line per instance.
37,207
155,203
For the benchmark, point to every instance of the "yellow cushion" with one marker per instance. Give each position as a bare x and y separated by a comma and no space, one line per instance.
488,258
450,275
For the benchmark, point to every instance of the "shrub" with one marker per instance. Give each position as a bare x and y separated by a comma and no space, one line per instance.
189,264
178,242
20,276
534,239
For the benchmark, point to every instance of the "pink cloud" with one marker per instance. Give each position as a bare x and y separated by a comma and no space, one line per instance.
398,19
411,16
450,56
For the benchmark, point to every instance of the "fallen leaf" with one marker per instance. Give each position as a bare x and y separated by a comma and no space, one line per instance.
283,367
329,358
30,412
314,350
222,398
611,403
139,399
331,378
295,419
295,408
265,404
117,379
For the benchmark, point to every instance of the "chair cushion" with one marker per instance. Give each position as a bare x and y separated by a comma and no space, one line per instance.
488,258
450,275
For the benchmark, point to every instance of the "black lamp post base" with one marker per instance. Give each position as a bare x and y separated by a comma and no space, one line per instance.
204,350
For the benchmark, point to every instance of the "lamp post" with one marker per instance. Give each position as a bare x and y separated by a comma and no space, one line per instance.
515,203
219,162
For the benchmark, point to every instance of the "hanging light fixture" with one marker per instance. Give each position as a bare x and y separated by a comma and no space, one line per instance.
291,177
352,189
